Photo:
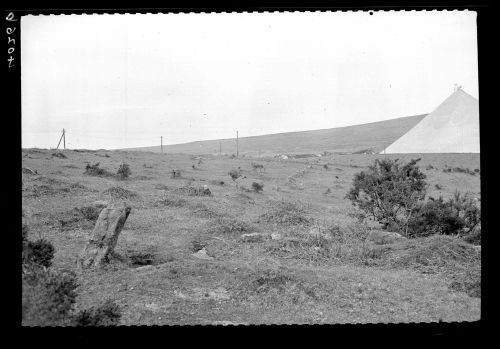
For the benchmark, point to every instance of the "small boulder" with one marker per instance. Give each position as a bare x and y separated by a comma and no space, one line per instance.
384,237
202,254
276,236
100,204
254,237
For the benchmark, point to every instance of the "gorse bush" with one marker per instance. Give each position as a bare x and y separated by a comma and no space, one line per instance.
95,170
49,296
123,171
234,174
435,216
389,192
39,252
458,215
257,187
107,314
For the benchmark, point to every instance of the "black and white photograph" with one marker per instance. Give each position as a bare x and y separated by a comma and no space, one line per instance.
249,168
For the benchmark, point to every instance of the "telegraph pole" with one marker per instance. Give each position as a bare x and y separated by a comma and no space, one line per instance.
60,139
64,138
161,141
237,149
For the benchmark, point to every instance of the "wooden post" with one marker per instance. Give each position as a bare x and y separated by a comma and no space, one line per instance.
60,139
64,138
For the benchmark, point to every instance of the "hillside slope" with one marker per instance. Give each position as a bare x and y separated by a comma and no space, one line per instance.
375,136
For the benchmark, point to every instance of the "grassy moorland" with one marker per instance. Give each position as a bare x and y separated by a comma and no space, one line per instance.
374,136
317,268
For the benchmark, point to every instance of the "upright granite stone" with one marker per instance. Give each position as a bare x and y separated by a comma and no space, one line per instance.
105,235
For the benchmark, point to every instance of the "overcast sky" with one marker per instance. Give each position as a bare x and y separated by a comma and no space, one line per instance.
116,81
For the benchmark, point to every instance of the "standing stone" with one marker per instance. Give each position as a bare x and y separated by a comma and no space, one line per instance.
105,235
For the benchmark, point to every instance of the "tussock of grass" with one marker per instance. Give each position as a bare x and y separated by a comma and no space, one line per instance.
120,193
286,213
433,254
172,201
327,245
225,225
202,210
278,287
84,217
194,191
448,256
160,186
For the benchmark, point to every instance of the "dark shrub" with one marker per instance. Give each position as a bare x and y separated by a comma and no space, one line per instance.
257,187
48,297
107,314
175,173
389,193
458,215
141,258
234,174
123,171
465,207
435,216
438,186
95,170
40,252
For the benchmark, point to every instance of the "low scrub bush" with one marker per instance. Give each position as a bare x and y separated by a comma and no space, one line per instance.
39,252
141,258
95,170
234,174
123,171
459,215
49,296
175,173
106,314
257,187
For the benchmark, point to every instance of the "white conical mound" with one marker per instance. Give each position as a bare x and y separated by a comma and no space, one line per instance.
453,127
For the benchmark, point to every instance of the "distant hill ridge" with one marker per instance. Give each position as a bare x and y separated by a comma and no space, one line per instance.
373,136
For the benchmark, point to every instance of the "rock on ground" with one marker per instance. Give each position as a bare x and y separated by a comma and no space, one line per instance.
202,254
